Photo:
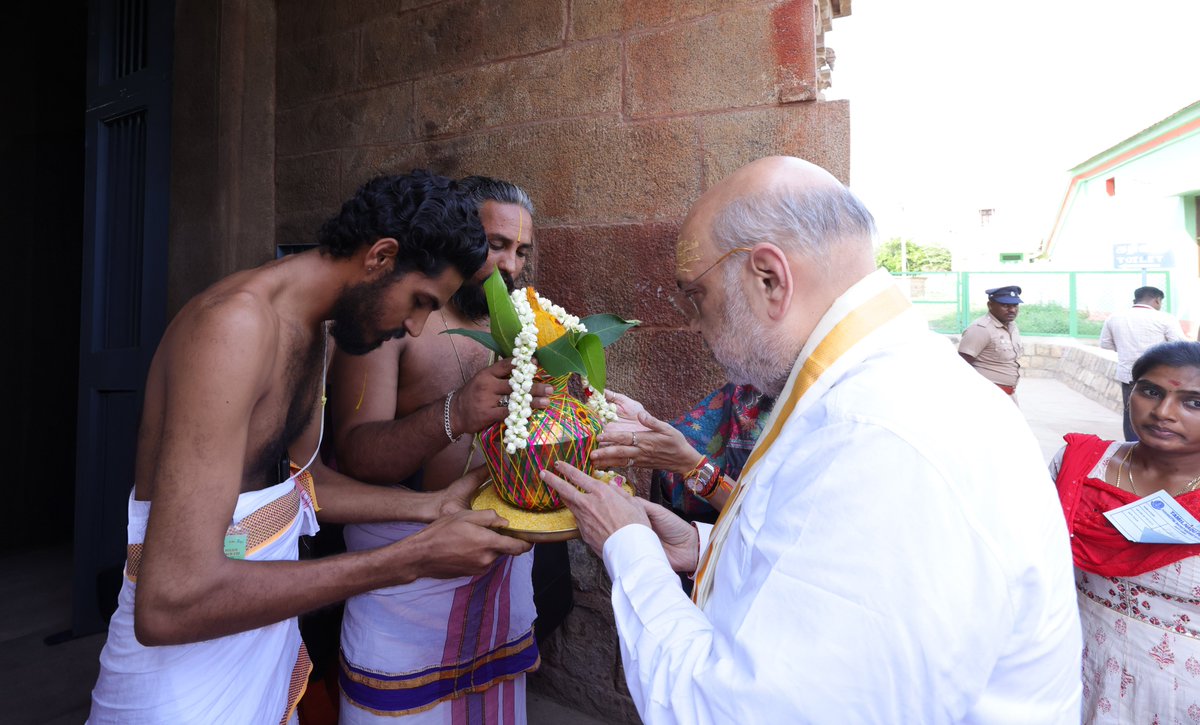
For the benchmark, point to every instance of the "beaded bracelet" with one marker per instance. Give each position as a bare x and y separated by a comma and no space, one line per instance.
446,419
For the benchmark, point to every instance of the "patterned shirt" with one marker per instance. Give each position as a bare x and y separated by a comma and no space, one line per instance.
724,427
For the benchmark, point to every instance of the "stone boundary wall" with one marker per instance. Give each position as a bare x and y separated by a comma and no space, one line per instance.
1083,367
1086,369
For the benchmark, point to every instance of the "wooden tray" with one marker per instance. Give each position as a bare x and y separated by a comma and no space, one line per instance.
536,527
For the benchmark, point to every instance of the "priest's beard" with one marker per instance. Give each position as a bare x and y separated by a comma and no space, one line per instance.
750,353
471,300
357,313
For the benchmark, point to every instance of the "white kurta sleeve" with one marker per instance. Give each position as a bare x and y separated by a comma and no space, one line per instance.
664,636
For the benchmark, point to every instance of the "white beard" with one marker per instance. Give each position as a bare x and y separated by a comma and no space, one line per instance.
750,353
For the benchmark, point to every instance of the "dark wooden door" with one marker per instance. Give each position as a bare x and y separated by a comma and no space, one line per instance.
123,295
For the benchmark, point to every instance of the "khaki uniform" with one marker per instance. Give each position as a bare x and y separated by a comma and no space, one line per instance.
996,349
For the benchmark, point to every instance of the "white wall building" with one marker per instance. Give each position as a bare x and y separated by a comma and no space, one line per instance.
1134,207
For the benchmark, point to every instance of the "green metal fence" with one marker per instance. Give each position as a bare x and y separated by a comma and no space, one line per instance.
1056,304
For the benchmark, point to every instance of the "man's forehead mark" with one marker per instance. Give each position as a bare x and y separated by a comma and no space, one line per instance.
686,254
1176,383
520,225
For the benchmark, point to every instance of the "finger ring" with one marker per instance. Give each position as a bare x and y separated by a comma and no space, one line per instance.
634,444
503,401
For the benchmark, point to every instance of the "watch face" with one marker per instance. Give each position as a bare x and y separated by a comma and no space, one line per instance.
702,478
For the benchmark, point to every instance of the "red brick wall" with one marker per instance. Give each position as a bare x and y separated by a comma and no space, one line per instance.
614,116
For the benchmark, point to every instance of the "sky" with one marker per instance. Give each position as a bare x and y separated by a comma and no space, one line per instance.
962,105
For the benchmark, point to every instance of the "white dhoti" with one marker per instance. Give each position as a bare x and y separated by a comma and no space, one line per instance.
250,677
435,650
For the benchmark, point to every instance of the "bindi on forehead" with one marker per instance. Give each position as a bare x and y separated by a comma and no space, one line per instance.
1174,380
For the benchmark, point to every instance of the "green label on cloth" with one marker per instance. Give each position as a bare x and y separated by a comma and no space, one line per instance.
235,546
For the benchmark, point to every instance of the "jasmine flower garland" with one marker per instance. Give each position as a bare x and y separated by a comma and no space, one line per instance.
516,424
605,410
524,325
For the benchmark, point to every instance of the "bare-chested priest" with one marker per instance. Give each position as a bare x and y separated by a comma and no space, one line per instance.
205,629
454,650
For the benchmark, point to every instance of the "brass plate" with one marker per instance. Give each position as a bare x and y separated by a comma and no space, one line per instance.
536,527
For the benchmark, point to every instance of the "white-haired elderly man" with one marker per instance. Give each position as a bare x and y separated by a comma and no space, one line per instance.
876,561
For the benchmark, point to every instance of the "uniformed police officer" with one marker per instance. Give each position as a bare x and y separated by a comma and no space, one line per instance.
992,344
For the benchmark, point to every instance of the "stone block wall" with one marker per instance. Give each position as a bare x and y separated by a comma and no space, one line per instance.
1086,369
222,215
615,115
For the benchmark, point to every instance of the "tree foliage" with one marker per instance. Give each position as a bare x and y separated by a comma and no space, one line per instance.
920,258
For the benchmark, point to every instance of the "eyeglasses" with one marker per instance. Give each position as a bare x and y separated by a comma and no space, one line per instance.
682,300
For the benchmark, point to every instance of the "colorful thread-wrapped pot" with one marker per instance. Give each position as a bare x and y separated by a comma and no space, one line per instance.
566,431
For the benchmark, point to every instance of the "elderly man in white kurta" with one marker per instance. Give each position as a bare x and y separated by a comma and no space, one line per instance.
876,562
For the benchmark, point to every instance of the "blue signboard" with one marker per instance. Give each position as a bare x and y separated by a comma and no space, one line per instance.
1139,255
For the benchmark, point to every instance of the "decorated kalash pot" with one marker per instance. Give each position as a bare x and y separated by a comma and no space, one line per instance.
527,326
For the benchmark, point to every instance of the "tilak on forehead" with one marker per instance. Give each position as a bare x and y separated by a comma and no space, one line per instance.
686,254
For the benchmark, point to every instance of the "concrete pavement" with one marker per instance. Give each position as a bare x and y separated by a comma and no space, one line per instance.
1053,409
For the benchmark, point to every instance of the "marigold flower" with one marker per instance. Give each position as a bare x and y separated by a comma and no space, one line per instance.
549,329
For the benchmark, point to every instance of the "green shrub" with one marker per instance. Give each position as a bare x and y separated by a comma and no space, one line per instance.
1035,319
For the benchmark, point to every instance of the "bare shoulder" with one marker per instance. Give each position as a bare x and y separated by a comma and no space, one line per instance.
363,387
394,349
237,308
383,358
237,327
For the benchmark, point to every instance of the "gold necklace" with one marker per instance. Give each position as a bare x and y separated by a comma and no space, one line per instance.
1121,468
1187,488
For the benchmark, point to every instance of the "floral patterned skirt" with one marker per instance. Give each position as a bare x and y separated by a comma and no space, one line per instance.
1141,645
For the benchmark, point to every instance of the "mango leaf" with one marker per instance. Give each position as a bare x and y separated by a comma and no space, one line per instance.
560,357
592,352
478,336
505,323
608,328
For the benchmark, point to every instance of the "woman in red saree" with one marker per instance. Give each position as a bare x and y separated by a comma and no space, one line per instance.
1139,602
